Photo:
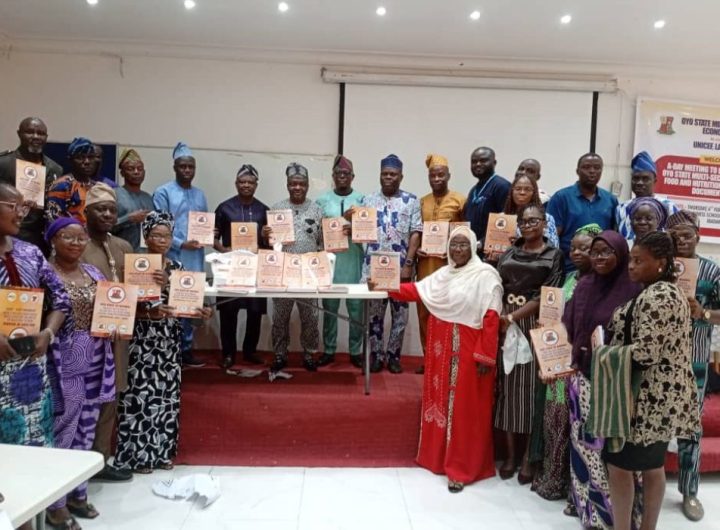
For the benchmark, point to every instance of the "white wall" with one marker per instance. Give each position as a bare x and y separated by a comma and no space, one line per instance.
271,107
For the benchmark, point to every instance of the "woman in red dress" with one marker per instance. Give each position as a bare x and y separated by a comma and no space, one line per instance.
464,299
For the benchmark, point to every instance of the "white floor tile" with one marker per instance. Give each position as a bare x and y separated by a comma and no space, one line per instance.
355,499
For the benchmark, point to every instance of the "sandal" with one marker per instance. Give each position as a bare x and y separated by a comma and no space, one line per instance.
166,467
570,510
455,487
142,471
84,511
68,524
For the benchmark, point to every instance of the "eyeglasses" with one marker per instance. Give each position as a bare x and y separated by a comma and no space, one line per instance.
74,239
605,253
459,246
159,237
532,222
21,209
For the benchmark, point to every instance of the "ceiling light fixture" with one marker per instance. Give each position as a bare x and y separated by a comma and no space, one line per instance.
381,11
659,24
475,15
566,19
189,4
92,2
283,6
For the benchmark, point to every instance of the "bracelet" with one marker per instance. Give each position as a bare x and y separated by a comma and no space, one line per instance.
510,318
52,335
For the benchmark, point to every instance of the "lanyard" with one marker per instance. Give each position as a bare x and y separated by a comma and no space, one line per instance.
477,196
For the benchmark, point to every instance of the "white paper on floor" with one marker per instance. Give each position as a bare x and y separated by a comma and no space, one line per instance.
187,487
278,375
243,372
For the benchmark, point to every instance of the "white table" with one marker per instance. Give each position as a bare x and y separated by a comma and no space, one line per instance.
32,478
357,291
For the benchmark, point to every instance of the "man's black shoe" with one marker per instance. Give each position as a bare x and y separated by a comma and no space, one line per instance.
112,474
190,361
356,361
394,367
376,366
278,363
309,363
228,361
252,358
325,359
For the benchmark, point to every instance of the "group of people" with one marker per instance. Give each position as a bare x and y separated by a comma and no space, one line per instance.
77,387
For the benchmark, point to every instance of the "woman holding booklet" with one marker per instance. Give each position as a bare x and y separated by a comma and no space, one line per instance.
26,399
527,266
87,366
596,296
148,411
464,299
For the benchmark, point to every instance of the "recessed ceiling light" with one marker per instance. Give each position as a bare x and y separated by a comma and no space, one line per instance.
189,4
283,6
92,2
566,19
381,11
475,15
659,24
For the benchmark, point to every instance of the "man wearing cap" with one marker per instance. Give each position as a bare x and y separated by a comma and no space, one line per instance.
133,203
107,253
242,208
33,135
440,205
66,196
684,226
307,221
180,197
488,195
348,264
642,183
399,230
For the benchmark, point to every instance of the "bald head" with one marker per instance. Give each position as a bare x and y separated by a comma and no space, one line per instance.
32,133
529,168
482,163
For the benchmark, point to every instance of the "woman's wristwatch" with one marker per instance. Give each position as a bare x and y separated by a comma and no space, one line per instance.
409,262
706,315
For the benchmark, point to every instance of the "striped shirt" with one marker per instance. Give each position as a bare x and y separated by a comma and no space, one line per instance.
707,293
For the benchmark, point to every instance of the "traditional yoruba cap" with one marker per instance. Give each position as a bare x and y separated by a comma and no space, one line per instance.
592,230
296,170
247,169
435,160
80,146
643,162
129,155
100,192
683,217
157,218
58,224
342,162
391,161
181,149
655,205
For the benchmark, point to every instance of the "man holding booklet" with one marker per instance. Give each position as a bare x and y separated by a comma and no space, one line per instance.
348,263
180,197
307,237
238,216
438,209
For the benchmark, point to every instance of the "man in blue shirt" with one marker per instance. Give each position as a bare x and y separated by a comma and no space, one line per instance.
180,197
488,195
582,203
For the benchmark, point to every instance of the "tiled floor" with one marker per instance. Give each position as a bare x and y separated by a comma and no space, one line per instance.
373,499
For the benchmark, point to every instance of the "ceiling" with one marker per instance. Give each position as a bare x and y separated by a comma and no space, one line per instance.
605,31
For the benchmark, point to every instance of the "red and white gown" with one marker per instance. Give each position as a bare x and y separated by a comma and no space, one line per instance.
456,425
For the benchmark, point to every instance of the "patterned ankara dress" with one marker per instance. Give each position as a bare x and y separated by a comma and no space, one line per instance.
148,411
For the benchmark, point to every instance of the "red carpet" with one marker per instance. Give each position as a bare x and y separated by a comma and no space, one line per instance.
324,419
710,443
314,419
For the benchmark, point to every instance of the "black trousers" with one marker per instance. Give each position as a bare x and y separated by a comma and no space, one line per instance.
228,328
